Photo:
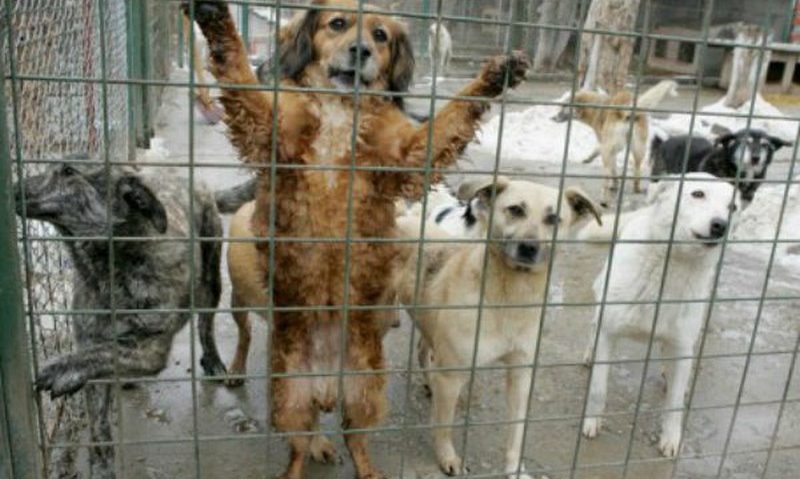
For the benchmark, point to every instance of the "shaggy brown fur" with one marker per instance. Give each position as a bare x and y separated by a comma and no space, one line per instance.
315,129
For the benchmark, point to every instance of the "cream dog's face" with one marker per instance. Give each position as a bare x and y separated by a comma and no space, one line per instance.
335,49
525,216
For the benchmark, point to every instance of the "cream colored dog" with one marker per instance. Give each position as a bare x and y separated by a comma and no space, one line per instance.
524,220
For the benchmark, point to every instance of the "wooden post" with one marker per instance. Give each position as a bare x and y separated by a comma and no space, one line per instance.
605,58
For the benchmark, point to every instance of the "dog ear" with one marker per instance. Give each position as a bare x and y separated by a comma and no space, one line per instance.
778,143
140,198
297,43
725,140
402,61
657,190
582,206
482,188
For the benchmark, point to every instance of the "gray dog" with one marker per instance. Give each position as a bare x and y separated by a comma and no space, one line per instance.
148,274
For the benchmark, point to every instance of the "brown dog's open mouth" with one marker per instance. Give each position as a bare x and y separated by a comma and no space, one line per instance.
347,78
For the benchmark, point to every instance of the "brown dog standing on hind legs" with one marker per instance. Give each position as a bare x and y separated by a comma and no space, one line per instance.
315,130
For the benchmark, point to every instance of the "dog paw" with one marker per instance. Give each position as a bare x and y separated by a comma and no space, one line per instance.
59,379
669,444
502,68
453,466
234,382
511,473
213,366
591,427
323,451
207,11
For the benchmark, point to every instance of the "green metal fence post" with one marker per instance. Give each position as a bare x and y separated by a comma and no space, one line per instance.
245,26
17,398
138,69
426,9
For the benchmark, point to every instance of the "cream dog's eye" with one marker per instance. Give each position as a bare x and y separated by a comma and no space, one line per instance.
337,24
516,211
380,35
699,194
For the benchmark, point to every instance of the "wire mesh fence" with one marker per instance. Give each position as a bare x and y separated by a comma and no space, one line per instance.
81,76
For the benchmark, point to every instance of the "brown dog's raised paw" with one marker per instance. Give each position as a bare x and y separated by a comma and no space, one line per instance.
207,12
505,68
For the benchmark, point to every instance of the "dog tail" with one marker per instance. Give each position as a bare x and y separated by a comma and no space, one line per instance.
231,199
604,232
655,95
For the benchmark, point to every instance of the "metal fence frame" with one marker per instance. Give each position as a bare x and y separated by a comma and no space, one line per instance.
17,414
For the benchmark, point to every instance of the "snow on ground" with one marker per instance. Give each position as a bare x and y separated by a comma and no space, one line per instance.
707,117
760,219
532,135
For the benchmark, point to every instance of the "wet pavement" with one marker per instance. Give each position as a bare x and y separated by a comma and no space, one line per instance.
226,433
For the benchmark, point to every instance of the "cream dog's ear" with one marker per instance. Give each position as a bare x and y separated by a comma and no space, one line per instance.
582,205
485,188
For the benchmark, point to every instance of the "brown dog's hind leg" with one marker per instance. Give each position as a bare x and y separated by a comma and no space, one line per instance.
294,411
364,402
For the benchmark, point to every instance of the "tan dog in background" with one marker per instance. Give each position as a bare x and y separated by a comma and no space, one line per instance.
612,127
523,227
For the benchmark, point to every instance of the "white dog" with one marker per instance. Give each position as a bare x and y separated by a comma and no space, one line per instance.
524,219
440,49
636,272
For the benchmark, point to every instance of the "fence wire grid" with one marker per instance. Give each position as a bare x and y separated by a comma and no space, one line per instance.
87,81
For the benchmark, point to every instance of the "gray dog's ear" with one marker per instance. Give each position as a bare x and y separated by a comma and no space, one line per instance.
482,188
582,205
140,198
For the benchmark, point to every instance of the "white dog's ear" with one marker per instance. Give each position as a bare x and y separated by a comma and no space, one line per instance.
656,191
582,205
482,188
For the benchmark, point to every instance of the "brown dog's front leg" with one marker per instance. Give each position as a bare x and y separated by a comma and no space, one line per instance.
248,112
455,125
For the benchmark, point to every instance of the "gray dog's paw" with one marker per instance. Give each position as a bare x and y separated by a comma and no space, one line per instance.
59,378
213,366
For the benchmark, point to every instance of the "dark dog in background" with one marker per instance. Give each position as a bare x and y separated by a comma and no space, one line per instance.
81,202
745,155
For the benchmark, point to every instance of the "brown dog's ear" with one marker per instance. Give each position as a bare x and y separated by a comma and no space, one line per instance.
297,44
482,188
401,72
581,205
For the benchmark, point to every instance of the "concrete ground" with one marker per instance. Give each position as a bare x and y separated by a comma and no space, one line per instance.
231,425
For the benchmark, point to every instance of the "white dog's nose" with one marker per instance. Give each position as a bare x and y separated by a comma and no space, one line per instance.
718,227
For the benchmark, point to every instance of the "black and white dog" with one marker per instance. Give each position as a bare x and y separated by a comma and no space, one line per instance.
745,155
143,273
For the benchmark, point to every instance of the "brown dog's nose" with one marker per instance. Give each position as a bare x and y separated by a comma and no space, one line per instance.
359,50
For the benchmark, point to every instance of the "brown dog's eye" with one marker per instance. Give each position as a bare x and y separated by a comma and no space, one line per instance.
516,211
337,24
552,219
699,194
380,35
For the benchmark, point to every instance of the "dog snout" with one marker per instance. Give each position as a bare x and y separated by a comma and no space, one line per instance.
718,227
528,251
359,51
